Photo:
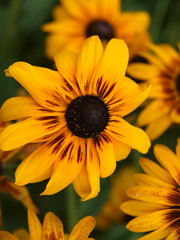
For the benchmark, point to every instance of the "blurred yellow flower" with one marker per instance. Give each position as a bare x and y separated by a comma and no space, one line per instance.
76,20
52,229
157,197
110,213
163,72
77,114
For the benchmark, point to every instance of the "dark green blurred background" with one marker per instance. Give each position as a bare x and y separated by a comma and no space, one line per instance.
22,40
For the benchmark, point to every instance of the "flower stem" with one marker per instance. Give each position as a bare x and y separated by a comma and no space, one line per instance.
9,29
72,209
158,18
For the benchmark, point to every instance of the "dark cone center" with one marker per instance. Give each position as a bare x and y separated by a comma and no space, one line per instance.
178,83
87,116
101,28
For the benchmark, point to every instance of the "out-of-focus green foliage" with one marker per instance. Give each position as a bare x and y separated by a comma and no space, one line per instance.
22,40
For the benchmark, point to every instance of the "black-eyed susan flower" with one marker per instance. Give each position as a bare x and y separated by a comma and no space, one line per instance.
51,229
157,198
110,212
163,72
77,114
76,20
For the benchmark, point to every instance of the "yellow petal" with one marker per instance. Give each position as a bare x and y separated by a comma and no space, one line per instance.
93,170
75,9
21,234
144,179
29,130
108,9
28,171
174,235
131,101
66,63
154,170
87,183
35,228
113,65
175,114
142,71
7,236
139,208
158,127
135,137
161,53
121,150
83,228
35,82
52,227
18,107
154,110
155,195
158,234
81,183
67,166
168,160
107,158
88,59
148,222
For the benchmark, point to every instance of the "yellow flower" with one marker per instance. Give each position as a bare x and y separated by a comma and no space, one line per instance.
110,212
163,72
76,20
76,113
157,197
52,229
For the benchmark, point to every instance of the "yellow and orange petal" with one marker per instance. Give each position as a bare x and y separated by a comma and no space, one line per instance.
52,228
156,205
162,70
76,20
76,115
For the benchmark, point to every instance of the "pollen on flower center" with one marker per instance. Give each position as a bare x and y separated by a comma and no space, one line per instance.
101,28
178,83
87,116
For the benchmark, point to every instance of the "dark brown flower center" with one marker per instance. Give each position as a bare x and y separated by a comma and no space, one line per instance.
178,83
101,28
87,116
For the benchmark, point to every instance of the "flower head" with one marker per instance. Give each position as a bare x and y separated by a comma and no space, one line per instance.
163,72
77,114
51,229
157,198
76,20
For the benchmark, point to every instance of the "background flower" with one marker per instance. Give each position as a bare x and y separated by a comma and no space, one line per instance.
162,70
76,20
157,198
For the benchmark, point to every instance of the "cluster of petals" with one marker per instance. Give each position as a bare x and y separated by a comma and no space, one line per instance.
51,229
63,156
162,71
156,203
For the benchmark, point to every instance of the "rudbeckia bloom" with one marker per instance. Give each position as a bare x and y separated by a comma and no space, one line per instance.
157,204
76,112
76,20
51,229
163,72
